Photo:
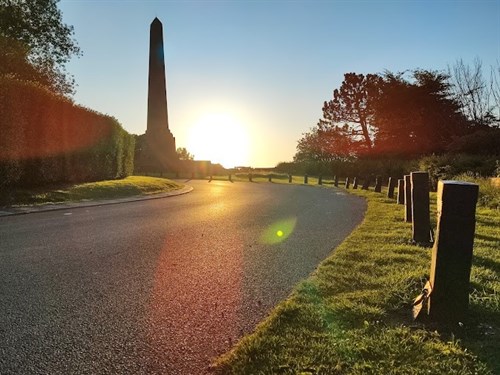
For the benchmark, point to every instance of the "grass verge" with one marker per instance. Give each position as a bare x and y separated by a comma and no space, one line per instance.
130,186
352,316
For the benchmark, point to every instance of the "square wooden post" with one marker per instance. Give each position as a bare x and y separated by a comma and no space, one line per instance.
421,221
378,184
401,191
407,189
366,183
452,251
355,183
390,187
336,179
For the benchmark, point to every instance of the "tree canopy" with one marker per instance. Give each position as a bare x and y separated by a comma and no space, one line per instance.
405,114
36,35
184,154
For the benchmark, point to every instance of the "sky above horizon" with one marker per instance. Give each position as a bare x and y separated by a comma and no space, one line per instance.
256,73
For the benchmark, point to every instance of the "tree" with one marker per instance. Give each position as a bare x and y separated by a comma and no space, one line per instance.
36,27
417,116
322,144
350,112
183,154
473,92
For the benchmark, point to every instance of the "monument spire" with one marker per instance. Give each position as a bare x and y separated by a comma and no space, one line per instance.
161,153
157,89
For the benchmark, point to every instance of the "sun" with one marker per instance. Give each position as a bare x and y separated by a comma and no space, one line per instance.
220,138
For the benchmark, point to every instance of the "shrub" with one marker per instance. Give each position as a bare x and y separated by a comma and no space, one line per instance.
489,195
47,139
445,167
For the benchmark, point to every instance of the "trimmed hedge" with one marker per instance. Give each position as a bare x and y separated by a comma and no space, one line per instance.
46,138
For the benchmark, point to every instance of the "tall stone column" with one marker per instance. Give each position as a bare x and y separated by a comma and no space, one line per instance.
160,141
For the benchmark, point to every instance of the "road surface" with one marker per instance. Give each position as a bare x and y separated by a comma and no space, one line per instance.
158,286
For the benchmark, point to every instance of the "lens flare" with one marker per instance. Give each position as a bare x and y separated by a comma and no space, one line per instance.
278,231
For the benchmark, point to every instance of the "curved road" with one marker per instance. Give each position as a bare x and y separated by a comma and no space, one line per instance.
158,286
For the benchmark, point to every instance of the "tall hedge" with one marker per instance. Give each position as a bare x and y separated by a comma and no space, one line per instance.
46,138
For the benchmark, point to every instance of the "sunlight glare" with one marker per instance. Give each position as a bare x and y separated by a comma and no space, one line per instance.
220,138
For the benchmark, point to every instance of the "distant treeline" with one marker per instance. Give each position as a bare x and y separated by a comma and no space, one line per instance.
45,138
445,166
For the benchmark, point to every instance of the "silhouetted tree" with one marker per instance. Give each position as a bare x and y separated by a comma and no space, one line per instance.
35,28
473,91
350,112
183,154
417,117
324,144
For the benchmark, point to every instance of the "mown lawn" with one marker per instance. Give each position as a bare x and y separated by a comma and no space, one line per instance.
130,186
353,315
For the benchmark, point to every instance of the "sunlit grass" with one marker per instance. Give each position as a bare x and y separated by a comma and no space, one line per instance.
353,315
130,186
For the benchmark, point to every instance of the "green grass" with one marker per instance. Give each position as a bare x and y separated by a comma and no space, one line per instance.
130,186
353,315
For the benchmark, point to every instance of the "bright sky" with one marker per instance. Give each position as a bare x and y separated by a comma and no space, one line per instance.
258,72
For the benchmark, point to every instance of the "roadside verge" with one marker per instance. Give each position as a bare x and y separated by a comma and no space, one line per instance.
353,315
97,194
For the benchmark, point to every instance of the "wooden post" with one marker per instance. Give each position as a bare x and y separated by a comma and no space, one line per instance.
336,180
306,179
366,183
320,180
250,177
355,183
420,213
270,178
289,178
401,191
390,187
452,251
378,184
230,178
407,199
347,182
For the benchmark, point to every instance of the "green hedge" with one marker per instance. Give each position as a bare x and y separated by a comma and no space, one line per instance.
46,138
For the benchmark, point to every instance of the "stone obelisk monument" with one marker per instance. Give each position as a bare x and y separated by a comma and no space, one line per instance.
160,154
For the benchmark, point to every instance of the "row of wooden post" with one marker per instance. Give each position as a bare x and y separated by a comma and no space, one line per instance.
445,298
446,294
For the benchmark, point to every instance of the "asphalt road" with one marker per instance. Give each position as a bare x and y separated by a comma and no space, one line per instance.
158,286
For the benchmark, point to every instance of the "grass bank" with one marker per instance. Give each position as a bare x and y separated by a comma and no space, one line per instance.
353,315
130,186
